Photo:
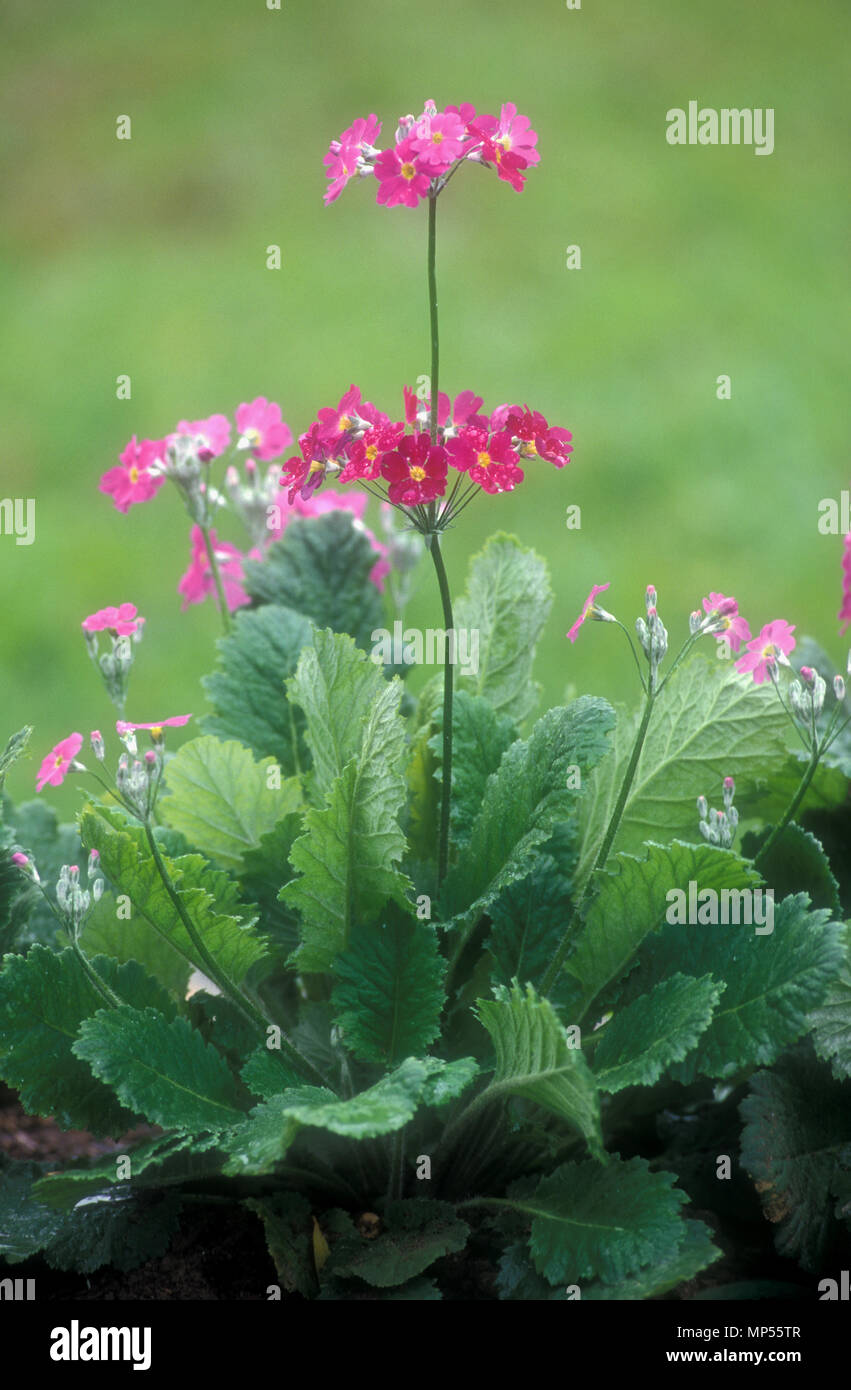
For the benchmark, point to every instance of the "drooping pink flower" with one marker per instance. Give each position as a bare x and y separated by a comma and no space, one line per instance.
131,480
773,644
214,433
345,156
509,164
121,620
489,460
364,455
55,766
334,421
261,428
177,721
416,471
438,140
302,476
734,628
844,614
402,176
587,609
198,582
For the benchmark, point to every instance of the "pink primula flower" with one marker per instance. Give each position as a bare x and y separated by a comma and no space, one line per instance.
333,422
262,430
341,161
512,132
132,480
735,628
416,471
402,175
214,433
587,609
844,614
124,726
122,620
438,140
198,582
773,644
490,461
58,761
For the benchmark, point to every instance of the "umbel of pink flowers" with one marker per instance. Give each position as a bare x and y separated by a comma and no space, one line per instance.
428,149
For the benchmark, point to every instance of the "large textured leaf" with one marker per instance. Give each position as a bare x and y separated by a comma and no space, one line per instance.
518,1279
631,904
531,793
161,1069
247,688
167,1159
321,568
132,938
796,863
533,1059
45,997
796,1126
655,1030
265,870
528,918
480,736
709,723
287,1226
25,1225
222,800
772,983
352,843
831,1020
389,993
607,1222
413,1235
507,602
208,895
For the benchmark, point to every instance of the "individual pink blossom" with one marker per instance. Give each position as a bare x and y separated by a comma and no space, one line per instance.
735,629
538,438
262,430
20,859
214,433
344,157
198,582
122,620
773,644
364,456
438,140
844,614
55,766
302,476
416,471
402,176
177,721
333,421
489,460
132,479
513,133
458,412
587,609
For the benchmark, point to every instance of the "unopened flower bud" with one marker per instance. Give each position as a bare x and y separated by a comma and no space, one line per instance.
94,863
839,687
807,674
97,890
650,598
96,738
695,622
702,807
729,791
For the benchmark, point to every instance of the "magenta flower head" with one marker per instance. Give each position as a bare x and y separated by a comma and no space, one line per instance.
262,430
212,436
353,154
724,620
123,620
844,614
198,582
124,726
590,609
20,859
58,762
138,475
773,645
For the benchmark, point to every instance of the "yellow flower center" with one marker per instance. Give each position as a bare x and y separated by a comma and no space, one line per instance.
483,459
437,137
134,473
371,452
314,467
157,733
58,760
769,652
408,171
505,141
344,422
417,473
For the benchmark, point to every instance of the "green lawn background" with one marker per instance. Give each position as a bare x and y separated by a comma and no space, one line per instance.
148,257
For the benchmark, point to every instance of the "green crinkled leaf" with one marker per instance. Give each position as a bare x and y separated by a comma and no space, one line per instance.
15,747
529,917
266,1072
414,1233
710,722
656,1029
524,800
288,1229
131,938
480,736
38,833
162,1069
247,688
210,898
507,601
590,1221
632,904
348,854
796,863
772,983
45,997
390,994
830,1021
265,870
321,568
535,1060
446,1080
221,800
796,1128
26,1226
167,1159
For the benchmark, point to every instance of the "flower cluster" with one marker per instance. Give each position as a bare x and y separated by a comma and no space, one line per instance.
428,149
356,442
719,827
123,626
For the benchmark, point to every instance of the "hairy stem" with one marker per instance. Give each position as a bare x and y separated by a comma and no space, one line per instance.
432,309
217,580
446,787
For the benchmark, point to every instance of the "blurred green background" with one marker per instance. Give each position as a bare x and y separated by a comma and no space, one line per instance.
147,257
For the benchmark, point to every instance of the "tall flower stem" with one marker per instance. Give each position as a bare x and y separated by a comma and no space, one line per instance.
803,787
446,791
217,580
432,309
554,968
